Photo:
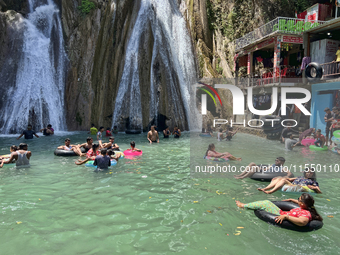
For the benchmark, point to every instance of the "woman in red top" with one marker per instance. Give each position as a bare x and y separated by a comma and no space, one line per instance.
299,216
90,155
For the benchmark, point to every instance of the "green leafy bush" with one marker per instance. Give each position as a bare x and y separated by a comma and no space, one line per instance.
86,6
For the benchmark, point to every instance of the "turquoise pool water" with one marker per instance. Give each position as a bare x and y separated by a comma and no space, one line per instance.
152,205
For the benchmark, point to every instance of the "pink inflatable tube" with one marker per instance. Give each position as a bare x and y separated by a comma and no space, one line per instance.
307,142
132,153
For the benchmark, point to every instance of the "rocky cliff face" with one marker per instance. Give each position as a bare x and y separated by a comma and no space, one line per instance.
11,43
96,41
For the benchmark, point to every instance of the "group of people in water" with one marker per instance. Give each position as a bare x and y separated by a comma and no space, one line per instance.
19,154
153,136
300,216
332,120
103,154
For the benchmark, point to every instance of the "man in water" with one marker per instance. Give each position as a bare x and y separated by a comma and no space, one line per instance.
252,168
102,161
290,143
111,145
28,133
153,135
230,133
176,132
93,130
48,130
21,157
286,131
69,147
88,145
166,132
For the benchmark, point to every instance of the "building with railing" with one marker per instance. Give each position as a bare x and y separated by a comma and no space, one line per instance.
277,53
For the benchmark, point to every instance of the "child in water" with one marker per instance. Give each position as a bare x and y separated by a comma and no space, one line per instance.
113,155
12,149
133,148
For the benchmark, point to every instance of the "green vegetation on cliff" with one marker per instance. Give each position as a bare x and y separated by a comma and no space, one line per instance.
234,18
86,6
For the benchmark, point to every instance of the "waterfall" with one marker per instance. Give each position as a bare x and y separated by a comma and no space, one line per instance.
38,95
173,49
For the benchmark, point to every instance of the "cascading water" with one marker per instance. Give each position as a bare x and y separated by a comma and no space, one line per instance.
38,95
172,48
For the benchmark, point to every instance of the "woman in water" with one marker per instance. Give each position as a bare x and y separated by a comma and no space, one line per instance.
299,216
226,155
298,184
90,155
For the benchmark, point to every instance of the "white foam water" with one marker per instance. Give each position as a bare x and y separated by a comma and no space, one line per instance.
38,95
172,47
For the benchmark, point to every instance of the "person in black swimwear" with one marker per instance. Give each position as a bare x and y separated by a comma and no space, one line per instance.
28,133
48,130
166,132
230,133
176,132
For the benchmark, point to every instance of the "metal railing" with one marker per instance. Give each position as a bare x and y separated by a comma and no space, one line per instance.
269,77
280,24
331,68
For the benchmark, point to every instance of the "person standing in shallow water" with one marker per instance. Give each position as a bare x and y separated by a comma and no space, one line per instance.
28,133
99,137
166,132
48,130
93,130
176,132
153,135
